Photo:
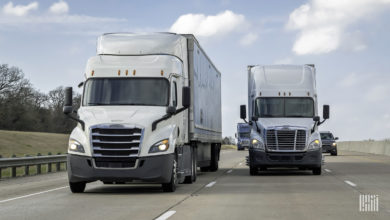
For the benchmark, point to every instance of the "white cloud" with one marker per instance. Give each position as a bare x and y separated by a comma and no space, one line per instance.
19,10
324,24
248,39
60,7
211,25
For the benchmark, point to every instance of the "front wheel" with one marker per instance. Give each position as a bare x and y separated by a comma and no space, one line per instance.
317,171
78,187
252,170
171,186
194,164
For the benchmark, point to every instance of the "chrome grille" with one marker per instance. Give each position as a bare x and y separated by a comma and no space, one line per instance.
285,140
116,141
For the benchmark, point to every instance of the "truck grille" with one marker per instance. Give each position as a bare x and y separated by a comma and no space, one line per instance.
286,140
116,142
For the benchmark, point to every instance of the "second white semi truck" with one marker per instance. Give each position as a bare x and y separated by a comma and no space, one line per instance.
150,111
283,114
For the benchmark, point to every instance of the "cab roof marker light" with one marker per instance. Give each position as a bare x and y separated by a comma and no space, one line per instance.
133,72
279,93
162,72
93,72
289,93
260,94
308,93
127,72
119,72
284,93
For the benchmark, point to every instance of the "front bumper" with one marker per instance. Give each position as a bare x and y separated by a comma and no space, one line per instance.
308,159
328,148
156,169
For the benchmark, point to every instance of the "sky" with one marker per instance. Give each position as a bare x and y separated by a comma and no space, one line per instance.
347,40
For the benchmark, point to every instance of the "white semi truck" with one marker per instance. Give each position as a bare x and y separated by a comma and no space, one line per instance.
150,112
283,114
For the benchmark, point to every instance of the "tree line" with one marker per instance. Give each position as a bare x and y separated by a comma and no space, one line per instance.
24,108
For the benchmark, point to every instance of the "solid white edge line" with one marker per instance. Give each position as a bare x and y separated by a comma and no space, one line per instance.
350,183
327,170
211,184
33,194
166,215
229,171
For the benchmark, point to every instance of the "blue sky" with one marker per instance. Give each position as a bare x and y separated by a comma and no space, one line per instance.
346,39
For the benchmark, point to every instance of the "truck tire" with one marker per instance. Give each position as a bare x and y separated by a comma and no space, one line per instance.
192,178
317,171
333,153
215,149
171,186
78,187
253,171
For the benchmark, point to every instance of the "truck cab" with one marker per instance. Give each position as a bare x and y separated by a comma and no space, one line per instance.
138,115
283,114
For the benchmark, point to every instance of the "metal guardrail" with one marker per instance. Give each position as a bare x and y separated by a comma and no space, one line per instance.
27,162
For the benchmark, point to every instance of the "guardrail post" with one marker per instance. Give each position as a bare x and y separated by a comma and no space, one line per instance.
39,165
13,169
26,168
49,165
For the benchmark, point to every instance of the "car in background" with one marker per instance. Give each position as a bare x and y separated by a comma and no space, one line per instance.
329,144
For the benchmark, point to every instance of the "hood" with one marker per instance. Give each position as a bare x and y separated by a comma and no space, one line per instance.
141,116
270,123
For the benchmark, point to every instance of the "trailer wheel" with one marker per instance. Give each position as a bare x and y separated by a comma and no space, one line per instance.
171,186
214,157
78,187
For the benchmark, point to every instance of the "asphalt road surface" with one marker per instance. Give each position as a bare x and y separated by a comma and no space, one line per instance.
229,193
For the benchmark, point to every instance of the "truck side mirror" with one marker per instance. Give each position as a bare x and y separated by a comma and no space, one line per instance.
325,111
171,110
316,118
186,97
68,104
255,118
243,112
235,135
336,138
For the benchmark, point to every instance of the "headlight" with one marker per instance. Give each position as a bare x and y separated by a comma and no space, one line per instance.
314,145
256,144
75,146
160,146
334,144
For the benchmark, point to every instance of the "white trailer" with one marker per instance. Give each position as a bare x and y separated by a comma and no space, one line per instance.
283,114
150,111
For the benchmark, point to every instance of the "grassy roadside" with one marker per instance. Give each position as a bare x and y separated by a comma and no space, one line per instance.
21,143
229,147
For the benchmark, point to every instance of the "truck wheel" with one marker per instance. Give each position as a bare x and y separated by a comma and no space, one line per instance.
171,186
317,171
333,153
78,187
252,170
194,164
204,169
214,158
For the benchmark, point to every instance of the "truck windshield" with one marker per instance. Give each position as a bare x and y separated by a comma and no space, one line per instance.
284,107
244,135
125,91
326,136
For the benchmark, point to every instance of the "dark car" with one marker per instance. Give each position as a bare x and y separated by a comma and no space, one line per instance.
329,144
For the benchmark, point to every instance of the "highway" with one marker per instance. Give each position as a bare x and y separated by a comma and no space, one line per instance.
230,193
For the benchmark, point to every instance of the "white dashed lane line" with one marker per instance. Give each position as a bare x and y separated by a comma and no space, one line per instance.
350,183
211,184
229,171
166,215
327,170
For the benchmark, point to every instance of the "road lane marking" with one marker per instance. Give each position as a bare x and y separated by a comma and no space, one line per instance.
211,184
239,164
350,183
33,194
229,171
327,170
166,215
